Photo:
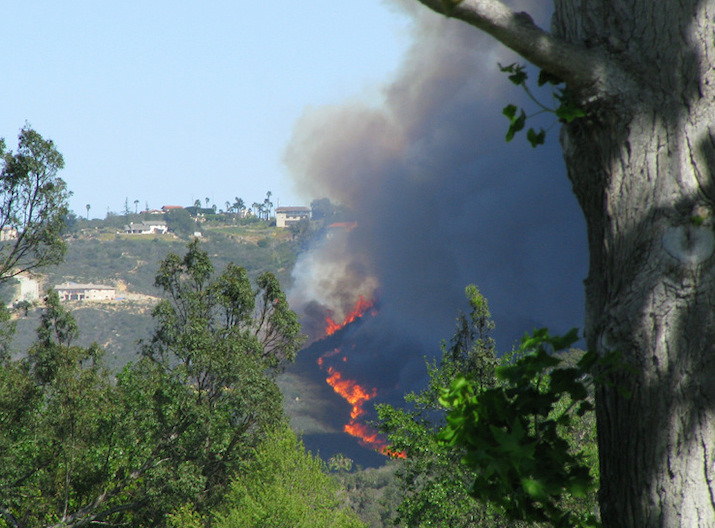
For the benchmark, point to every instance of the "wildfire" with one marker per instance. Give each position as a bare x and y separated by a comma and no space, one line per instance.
361,307
350,390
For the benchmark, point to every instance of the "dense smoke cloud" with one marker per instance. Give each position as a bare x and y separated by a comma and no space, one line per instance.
441,201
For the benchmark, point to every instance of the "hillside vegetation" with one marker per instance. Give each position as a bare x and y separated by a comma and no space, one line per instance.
99,252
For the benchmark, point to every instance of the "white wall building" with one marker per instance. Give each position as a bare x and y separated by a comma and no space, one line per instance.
148,227
287,216
71,291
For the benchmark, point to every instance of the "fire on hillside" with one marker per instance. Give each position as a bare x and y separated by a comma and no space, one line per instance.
350,390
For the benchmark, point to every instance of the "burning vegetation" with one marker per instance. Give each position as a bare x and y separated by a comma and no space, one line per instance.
350,390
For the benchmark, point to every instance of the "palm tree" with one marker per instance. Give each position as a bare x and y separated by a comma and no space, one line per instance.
239,205
267,204
87,206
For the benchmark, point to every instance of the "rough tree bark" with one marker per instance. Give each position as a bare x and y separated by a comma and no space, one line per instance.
641,164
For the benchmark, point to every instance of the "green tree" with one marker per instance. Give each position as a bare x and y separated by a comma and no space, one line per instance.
323,209
59,434
267,205
239,205
525,439
180,222
284,486
78,449
434,485
534,418
33,204
217,347
641,163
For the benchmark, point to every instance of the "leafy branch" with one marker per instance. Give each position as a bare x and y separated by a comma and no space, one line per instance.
566,111
516,435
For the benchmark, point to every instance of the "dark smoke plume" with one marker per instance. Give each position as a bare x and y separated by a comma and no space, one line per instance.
441,201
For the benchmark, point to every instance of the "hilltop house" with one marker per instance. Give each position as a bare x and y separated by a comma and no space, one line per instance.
70,291
151,227
288,216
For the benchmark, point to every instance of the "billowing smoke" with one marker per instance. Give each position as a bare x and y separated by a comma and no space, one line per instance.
440,201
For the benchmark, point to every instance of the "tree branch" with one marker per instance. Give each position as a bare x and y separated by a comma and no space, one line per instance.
9,518
588,71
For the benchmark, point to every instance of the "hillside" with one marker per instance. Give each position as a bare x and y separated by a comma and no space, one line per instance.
129,263
100,255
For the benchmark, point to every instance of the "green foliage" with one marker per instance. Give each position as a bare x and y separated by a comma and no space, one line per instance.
33,204
224,316
58,427
516,435
205,384
372,493
7,331
326,211
179,221
283,486
77,448
566,110
434,485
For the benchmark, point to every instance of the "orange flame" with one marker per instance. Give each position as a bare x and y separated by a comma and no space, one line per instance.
356,396
350,390
361,307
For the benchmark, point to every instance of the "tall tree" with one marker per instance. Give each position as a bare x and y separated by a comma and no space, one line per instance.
641,162
239,205
61,436
88,208
268,205
33,204
78,448
433,484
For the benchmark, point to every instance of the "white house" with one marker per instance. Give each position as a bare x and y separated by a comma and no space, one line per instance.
71,291
287,216
148,227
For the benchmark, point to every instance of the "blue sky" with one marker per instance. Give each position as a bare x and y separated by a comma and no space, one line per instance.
166,102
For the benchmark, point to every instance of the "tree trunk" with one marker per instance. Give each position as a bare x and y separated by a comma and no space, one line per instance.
641,165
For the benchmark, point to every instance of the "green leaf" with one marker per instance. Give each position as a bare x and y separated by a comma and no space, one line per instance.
534,488
536,138
516,125
547,77
510,112
563,342
518,75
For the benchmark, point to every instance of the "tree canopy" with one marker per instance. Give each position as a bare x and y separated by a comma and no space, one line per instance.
33,204
172,431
